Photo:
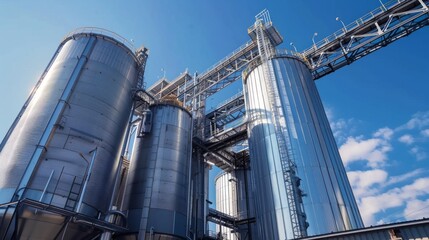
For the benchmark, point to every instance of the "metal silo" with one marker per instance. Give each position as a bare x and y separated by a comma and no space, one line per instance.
63,149
234,197
157,194
226,200
308,190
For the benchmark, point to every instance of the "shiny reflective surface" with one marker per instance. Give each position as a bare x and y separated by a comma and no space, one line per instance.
158,183
94,115
328,202
226,200
245,202
235,198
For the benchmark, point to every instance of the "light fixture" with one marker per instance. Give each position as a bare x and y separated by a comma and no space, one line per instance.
293,46
314,44
344,26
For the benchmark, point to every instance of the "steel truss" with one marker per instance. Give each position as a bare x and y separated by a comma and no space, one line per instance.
227,113
384,25
217,149
388,23
227,220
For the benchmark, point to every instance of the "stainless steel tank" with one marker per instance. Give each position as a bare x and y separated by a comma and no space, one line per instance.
64,148
323,190
226,186
245,203
157,193
234,197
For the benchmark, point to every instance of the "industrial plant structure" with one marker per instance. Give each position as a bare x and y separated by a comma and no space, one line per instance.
94,154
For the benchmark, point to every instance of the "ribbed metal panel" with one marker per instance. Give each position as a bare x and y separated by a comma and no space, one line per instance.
94,115
226,186
327,192
245,202
412,230
158,184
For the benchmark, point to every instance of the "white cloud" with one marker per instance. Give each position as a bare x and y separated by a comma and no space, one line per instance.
368,185
329,114
385,133
416,209
338,127
373,150
425,132
371,205
383,198
418,188
404,177
341,128
418,153
407,139
418,121
397,197
364,183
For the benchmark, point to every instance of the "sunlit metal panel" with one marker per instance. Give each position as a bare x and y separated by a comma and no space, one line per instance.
324,190
157,194
64,147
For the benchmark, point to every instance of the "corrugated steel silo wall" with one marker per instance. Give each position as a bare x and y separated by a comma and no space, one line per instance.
157,191
245,202
95,115
226,200
329,203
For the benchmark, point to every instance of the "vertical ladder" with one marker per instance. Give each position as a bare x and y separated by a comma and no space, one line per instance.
142,55
73,196
8,221
265,49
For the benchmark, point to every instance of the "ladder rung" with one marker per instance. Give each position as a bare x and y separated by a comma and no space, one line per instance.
285,148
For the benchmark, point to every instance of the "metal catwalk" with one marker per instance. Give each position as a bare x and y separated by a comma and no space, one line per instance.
73,176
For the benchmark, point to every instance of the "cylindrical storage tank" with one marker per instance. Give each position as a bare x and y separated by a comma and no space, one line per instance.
234,197
226,201
245,202
72,127
326,196
199,206
157,191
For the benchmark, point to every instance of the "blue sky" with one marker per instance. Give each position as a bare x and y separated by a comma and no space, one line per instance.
378,106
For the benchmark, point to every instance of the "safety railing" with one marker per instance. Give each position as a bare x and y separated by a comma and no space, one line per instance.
359,22
223,103
104,32
226,58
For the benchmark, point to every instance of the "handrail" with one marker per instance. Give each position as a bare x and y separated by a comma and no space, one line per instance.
223,103
226,58
359,22
102,31
5,205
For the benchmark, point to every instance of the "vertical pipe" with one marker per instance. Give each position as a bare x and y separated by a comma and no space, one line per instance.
56,185
184,93
125,142
195,106
196,219
190,212
46,186
249,230
88,176
205,196
62,102
133,149
190,182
